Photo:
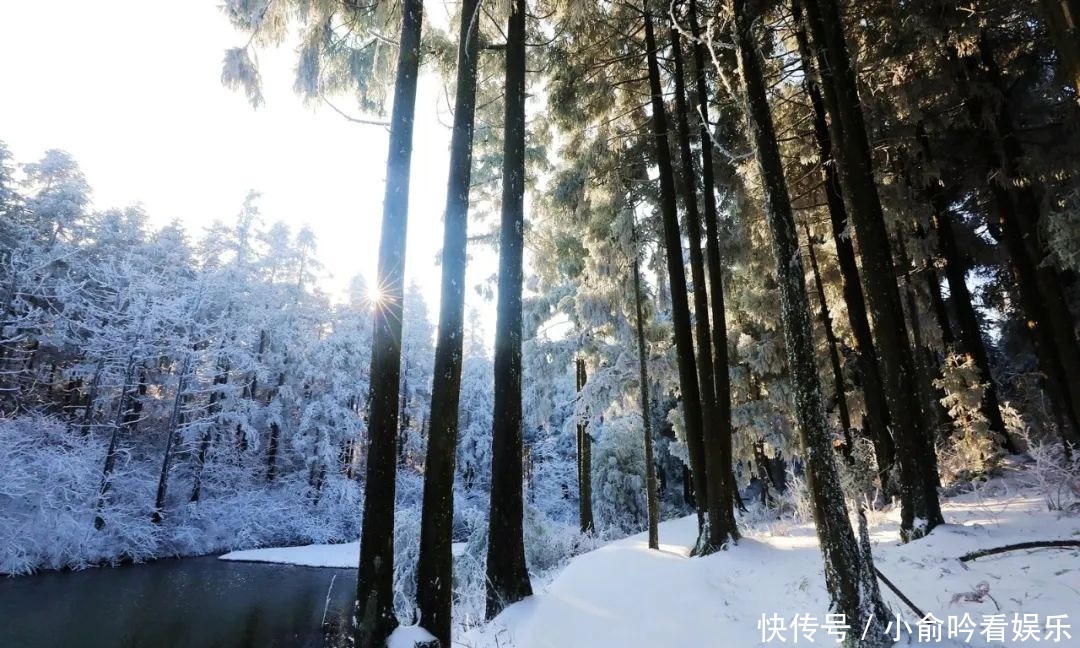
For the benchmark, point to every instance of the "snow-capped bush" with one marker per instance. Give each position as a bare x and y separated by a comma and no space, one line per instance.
972,451
1055,472
619,476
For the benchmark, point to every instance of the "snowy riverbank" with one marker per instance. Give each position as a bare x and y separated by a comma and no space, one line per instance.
344,556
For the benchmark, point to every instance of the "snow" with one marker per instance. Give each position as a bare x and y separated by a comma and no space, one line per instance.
408,637
341,556
625,595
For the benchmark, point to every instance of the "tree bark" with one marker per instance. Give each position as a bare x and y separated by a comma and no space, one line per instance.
918,491
375,618
507,575
720,502
876,416
651,496
584,456
851,591
680,305
927,363
434,572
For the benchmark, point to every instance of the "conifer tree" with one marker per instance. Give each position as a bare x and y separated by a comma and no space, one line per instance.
717,463
435,568
375,618
689,391
507,574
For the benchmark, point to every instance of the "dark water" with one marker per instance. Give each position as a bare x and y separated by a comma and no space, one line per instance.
189,603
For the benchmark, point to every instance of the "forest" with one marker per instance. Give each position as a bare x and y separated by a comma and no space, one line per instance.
781,285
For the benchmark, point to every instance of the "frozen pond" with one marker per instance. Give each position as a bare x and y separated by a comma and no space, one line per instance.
187,603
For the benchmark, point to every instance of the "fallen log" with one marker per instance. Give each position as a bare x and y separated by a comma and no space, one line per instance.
1038,544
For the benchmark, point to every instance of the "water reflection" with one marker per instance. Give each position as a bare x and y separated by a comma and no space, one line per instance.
190,603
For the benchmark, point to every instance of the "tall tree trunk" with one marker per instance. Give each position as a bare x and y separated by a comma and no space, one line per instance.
680,305
717,464
507,575
375,618
834,352
918,491
720,502
876,415
584,457
848,572
716,270
434,573
651,497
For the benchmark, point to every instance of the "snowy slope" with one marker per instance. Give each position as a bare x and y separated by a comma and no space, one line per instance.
628,596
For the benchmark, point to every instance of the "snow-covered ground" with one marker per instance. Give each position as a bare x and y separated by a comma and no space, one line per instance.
629,596
625,595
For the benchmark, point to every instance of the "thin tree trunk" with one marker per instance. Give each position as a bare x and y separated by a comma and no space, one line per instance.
851,591
584,455
876,415
434,573
651,497
220,380
273,444
507,575
114,442
375,618
91,398
834,353
680,305
918,490
174,424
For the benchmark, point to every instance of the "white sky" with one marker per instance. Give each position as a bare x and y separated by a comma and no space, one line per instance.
131,88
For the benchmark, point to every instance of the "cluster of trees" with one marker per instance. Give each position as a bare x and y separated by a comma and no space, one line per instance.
166,394
916,154
211,369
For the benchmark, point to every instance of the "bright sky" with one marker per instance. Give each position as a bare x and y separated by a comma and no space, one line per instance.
131,88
